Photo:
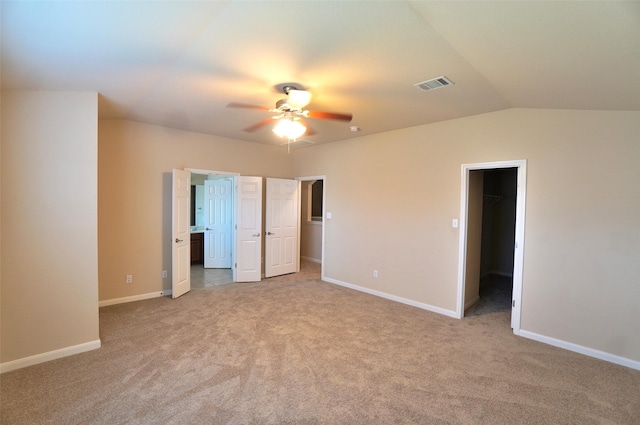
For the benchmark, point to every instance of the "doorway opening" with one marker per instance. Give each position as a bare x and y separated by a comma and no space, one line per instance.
492,239
212,221
492,287
312,201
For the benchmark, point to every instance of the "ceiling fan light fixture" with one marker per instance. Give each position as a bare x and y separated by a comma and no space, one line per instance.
289,128
298,99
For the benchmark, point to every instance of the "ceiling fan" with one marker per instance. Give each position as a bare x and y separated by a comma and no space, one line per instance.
291,114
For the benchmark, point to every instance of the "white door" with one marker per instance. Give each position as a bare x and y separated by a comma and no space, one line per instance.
180,233
217,223
282,224
248,229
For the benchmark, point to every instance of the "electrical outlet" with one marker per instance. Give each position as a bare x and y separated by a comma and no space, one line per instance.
375,273
164,274
129,278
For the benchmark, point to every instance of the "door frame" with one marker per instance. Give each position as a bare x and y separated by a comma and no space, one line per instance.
518,254
324,215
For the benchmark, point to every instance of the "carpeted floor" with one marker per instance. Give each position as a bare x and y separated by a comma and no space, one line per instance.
296,350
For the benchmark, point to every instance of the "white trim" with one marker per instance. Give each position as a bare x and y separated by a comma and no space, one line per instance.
313,260
591,352
310,178
211,172
518,254
140,297
48,356
380,294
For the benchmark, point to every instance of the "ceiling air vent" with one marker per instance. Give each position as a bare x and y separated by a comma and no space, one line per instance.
436,83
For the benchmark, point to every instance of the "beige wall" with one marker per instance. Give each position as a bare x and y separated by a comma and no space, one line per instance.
135,162
49,222
582,219
581,263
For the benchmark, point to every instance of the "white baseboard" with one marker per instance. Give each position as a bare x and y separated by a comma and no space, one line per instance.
140,297
591,352
380,294
313,260
48,356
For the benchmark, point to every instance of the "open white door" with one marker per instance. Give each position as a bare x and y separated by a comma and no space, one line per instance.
282,223
249,229
180,233
217,223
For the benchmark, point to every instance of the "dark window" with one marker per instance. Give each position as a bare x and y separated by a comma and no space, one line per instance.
316,201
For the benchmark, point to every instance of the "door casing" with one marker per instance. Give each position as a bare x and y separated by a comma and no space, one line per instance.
518,254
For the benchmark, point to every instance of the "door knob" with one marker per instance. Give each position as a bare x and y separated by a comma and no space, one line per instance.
178,240
256,235
206,228
269,233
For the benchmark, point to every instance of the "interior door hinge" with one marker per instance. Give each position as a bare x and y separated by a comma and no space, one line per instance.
513,303
235,266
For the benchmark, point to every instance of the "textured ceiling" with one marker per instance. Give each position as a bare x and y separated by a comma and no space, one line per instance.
179,63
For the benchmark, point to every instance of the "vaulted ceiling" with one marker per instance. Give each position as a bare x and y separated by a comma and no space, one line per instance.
179,63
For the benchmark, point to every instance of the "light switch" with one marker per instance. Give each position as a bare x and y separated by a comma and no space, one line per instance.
454,223
328,215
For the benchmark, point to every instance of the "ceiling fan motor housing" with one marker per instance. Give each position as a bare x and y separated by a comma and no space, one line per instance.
286,89
283,106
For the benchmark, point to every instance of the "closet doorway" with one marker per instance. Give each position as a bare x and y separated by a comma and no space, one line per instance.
492,236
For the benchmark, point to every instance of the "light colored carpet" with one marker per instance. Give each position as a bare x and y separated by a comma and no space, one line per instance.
295,350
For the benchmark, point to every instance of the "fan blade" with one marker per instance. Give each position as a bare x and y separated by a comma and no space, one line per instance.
259,125
329,116
247,106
